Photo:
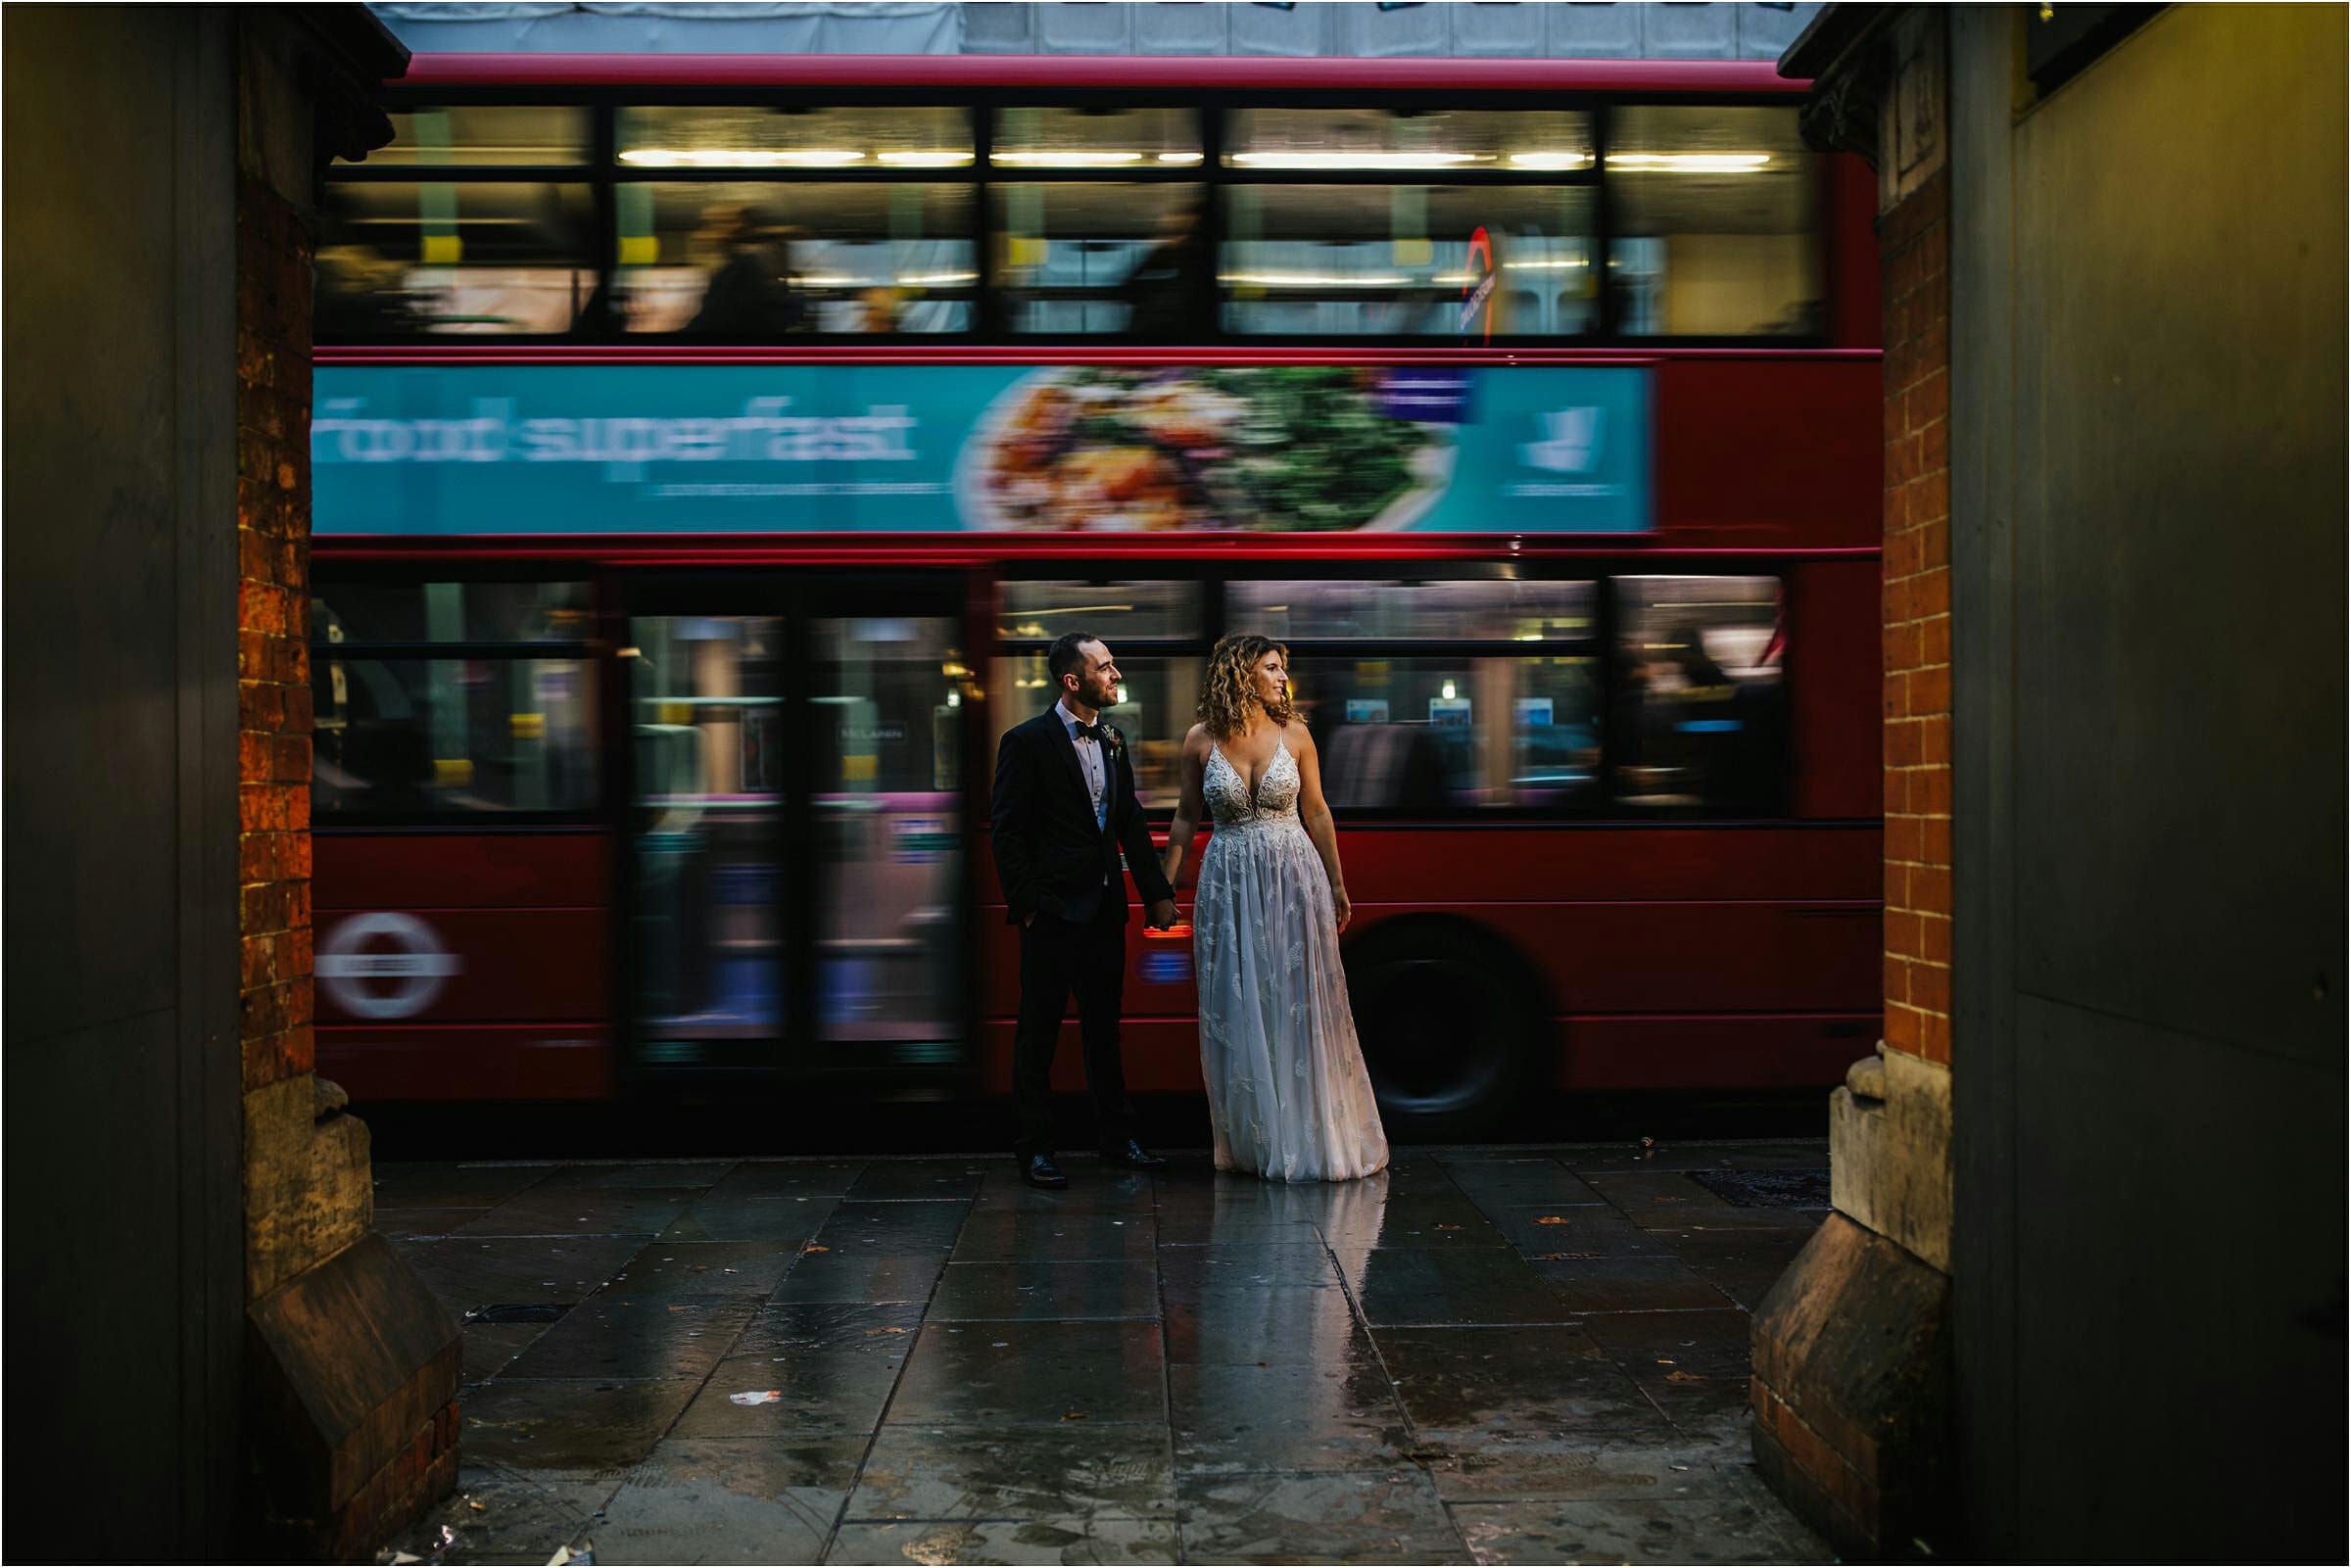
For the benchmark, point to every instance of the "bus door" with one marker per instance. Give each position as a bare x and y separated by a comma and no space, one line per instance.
794,852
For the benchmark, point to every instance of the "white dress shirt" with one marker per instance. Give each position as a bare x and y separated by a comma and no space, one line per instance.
1090,761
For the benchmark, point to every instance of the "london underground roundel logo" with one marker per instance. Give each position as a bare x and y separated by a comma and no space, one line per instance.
1477,287
384,964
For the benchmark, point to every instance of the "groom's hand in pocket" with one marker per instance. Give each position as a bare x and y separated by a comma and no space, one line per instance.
1161,915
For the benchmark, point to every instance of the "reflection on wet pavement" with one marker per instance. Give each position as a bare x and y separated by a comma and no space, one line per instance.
1494,1356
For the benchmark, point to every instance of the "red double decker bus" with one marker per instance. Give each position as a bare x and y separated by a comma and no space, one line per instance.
706,450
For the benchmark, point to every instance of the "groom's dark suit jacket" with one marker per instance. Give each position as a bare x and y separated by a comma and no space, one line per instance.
1050,857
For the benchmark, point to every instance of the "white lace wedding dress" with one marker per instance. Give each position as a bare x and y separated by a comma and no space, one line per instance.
1287,1093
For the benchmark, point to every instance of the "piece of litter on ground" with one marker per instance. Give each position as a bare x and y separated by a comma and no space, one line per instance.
1072,1415
477,1508
1000,1344
756,1396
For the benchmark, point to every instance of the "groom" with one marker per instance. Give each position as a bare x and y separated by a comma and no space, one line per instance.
1065,807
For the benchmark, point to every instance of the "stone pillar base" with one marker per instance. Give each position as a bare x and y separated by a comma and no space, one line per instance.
351,1383
1851,1393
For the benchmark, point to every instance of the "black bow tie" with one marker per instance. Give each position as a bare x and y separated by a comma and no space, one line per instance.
1087,732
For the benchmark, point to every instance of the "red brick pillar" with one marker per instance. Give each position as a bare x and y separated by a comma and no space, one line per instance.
273,681
1851,1349
1915,255
352,1367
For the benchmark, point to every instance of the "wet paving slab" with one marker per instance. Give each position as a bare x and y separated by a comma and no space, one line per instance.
820,1274
625,1337
1068,1471
1478,1356
718,1215
893,1228
1047,1288
449,1184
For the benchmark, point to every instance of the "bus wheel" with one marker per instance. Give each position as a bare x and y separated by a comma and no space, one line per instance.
1450,1024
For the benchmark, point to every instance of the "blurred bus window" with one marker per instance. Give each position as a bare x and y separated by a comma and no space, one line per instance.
1438,733
1353,260
794,136
1703,711
1535,142
1160,702
1470,609
1040,610
887,733
1112,138
450,612
456,258
484,137
1103,256
1715,214
414,736
749,261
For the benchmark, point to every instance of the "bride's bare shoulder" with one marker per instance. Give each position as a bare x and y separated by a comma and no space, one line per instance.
1297,735
1195,740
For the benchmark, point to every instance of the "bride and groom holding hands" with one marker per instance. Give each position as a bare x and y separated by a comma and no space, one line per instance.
1289,1097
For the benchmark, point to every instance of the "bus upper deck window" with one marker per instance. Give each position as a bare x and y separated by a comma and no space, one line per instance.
1410,260
484,137
747,261
453,257
1716,214
1094,258
778,248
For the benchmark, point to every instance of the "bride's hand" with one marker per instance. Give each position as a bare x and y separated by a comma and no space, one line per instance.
1341,905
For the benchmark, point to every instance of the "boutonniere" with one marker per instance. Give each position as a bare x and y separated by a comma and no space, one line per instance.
1111,740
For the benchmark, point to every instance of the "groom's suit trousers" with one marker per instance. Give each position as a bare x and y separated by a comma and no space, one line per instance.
1059,957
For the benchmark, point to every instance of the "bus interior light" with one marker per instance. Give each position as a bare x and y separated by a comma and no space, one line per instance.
1315,280
1689,163
742,158
1067,159
1367,159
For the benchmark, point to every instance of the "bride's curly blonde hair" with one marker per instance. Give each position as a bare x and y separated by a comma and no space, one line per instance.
1226,696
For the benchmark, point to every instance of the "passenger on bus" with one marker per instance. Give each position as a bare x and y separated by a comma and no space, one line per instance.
1168,291
754,295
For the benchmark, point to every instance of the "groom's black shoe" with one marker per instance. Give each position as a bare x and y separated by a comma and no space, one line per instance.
1040,1170
1132,1155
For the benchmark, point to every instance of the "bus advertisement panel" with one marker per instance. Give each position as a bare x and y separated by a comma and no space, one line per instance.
944,447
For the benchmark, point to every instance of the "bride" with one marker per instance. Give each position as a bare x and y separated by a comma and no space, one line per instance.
1287,1094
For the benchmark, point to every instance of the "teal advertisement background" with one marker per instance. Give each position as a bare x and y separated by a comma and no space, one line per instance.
764,448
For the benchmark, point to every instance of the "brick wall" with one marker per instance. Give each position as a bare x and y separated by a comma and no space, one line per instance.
1914,255
273,679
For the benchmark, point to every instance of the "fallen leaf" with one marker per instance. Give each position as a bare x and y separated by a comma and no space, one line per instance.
1072,1415
1551,1219
813,1248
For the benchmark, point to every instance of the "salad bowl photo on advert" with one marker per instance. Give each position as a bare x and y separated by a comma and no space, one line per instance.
1288,449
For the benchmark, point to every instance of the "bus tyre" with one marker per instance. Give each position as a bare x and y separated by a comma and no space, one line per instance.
1451,1025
